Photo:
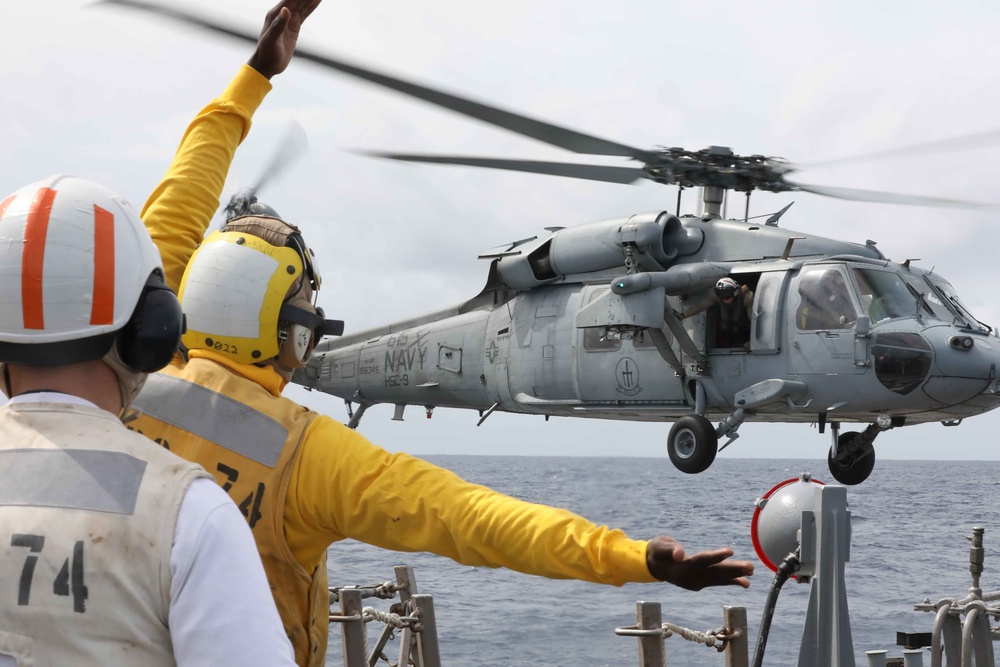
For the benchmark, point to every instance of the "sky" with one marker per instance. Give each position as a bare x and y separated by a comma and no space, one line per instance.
105,93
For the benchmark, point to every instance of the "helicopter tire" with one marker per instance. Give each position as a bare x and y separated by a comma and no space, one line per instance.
692,444
855,459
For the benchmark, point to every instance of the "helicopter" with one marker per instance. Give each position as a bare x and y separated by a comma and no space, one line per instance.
585,321
588,321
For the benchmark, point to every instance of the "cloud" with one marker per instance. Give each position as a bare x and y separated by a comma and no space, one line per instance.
106,94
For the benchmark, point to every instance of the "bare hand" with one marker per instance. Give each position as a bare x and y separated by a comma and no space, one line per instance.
276,44
667,561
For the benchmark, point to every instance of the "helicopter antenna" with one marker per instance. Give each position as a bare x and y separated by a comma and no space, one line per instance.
293,145
773,220
788,246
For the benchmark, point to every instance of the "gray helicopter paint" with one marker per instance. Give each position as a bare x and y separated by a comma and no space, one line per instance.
432,364
629,372
528,354
540,346
734,240
663,240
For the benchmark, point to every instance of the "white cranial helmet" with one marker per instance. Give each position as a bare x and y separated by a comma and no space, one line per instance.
77,270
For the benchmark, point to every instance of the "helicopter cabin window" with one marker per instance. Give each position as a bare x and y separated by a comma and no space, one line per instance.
641,340
595,339
824,300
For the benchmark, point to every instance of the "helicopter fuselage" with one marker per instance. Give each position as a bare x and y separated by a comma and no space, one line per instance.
822,344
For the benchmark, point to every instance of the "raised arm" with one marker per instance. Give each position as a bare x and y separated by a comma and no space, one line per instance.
181,207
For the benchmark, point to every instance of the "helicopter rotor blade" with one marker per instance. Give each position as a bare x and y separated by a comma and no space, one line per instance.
590,172
293,146
548,133
876,197
181,16
555,135
954,144
656,162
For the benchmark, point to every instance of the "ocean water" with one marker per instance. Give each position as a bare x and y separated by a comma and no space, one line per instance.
910,520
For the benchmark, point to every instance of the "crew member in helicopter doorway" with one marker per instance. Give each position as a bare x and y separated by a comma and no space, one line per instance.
734,307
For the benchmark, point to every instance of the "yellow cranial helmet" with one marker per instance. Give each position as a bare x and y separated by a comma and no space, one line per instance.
248,294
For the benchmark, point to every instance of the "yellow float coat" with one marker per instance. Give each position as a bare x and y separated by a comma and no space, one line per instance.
339,484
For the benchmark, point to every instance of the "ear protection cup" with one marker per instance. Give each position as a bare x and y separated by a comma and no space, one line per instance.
153,334
296,346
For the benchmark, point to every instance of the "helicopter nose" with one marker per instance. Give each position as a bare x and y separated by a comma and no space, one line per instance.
964,369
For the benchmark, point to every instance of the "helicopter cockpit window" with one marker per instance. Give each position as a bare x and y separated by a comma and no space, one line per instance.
952,296
824,300
931,301
888,294
884,294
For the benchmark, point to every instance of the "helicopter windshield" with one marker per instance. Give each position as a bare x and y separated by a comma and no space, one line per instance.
931,300
952,296
887,295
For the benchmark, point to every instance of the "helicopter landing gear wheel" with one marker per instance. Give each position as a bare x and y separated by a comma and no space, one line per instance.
692,444
855,459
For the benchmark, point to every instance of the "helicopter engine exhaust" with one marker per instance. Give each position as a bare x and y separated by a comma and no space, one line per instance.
657,240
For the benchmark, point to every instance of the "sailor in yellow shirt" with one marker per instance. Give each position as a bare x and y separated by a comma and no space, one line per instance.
302,479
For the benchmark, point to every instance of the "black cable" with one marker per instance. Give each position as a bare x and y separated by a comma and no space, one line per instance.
788,567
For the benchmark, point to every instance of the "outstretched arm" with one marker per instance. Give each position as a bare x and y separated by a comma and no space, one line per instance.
181,207
699,307
345,487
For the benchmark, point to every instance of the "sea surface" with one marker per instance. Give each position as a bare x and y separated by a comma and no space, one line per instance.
910,521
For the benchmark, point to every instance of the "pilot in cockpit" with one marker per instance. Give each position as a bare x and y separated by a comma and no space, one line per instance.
823,300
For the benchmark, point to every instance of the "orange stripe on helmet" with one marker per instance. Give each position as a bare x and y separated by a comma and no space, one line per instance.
103,309
33,258
4,204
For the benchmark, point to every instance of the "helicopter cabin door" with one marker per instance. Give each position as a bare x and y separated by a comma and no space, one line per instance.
626,370
822,323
